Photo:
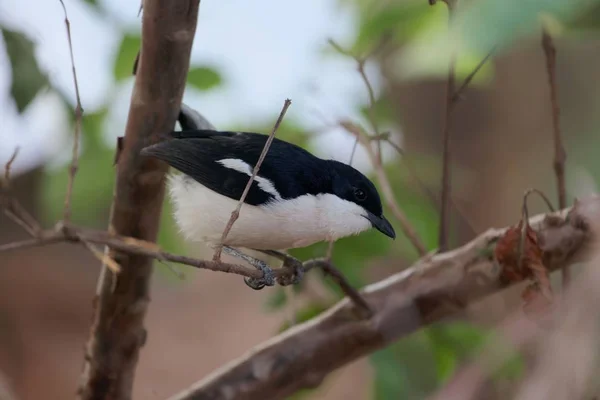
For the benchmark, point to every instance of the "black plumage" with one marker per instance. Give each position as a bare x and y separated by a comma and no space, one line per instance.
292,170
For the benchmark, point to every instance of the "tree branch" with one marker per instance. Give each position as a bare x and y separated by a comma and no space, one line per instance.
117,332
435,287
446,153
386,187
560,155
235,214
78,114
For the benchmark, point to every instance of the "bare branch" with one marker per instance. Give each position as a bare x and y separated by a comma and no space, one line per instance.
459,92
133,246
434,288
386,187
8,166
236,213
78,114
104,258
560,155
446,154
12,208
361,306
360,66
117,332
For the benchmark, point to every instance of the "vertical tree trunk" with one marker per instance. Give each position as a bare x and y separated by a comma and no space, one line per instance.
117,331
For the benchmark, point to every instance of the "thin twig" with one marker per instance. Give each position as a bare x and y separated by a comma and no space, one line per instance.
236,213
412,171
78,114
329,252
560,155
8,166
104,258
386,187
371,109
129,245
12,208
360,66
362,307
458,94
446,155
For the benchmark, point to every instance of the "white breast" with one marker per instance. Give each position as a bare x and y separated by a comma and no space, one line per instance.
202,215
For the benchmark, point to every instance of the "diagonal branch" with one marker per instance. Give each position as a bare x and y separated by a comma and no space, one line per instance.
435,287
235,214
386,188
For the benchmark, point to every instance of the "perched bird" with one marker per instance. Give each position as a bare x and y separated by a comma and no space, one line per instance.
296,199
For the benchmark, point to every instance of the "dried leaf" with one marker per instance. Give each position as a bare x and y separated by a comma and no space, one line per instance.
520,256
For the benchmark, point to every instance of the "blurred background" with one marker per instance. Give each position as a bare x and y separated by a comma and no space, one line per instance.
247,58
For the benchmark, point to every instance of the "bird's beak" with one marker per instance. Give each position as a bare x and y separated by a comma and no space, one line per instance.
381,224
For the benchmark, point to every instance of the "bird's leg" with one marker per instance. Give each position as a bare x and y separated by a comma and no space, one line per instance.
288,261
268,278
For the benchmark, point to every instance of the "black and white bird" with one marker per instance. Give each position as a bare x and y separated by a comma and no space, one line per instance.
295,200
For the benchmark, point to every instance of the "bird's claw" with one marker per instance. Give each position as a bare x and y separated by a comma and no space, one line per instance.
298,274
268,278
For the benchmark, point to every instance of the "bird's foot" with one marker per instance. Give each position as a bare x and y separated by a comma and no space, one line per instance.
290,262
268,278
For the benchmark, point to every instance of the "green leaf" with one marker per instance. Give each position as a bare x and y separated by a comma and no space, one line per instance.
401,20
477,28
204,78
458,342
277,300
128,50
405,370
27,78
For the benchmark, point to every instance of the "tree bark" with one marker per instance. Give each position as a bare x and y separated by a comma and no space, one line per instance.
117,331
436,287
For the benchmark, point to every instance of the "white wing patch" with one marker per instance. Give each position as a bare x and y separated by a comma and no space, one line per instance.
241,166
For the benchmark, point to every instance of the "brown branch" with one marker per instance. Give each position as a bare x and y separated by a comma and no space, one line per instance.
446,154
8,166
235,214
78,114
360,66
360,305
133,246
386,187
364,311
12,208
117,332
560,155
433,288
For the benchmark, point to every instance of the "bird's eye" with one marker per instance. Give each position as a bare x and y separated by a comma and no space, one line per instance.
360,194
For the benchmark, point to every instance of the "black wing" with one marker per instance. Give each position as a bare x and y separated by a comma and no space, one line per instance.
292,170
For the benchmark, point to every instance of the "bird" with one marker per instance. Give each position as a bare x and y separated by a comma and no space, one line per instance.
296,199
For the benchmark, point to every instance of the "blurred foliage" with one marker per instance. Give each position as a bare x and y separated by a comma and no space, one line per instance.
204,78
128,49
414,367
27,78
418,45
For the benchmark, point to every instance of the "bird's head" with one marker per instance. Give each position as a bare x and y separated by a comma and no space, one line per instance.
351,185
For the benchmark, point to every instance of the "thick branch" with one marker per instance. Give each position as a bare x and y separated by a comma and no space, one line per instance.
117,331
435,287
